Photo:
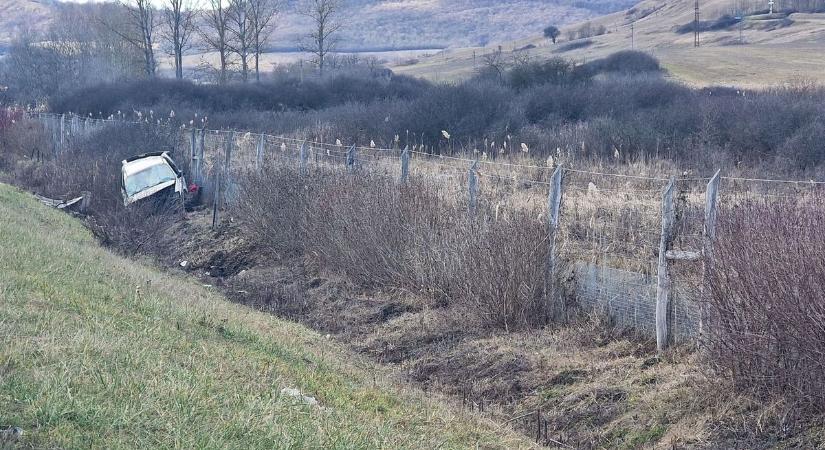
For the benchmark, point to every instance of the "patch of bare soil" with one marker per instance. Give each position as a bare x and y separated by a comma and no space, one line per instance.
581,386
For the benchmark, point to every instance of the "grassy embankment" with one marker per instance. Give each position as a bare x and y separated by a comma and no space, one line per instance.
99,351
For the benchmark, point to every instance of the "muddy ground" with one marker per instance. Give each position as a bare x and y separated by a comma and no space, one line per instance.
585,385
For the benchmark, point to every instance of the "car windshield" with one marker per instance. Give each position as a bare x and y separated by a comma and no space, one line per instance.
146,178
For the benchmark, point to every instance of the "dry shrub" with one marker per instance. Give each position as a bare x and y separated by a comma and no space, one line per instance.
766,327
21,141
412,236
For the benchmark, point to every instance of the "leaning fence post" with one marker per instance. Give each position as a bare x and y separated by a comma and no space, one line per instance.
302,158
351,158
708,235
259,152
405,164
472,185
663,284
553,206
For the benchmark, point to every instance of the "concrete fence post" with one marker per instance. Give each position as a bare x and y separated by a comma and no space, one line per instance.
193,148
259,152
302,158
708,235
201,150
224,181
472,185
405,164
554,197
663,285
62,130
351,159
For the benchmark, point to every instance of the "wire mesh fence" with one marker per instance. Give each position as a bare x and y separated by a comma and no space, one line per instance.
634,251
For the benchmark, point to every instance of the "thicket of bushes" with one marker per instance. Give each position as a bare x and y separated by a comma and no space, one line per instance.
413,236
766,327
285,93
720,23
585,111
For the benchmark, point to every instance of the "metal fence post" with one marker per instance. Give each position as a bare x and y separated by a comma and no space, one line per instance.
708,235
405,164
663,285
472,185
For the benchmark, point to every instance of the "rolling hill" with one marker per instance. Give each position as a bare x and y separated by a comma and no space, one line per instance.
381,24
770,50
17,16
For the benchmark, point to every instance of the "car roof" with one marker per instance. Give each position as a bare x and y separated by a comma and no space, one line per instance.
133,167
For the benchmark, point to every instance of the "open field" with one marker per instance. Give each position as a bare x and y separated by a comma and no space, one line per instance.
773,53
98,351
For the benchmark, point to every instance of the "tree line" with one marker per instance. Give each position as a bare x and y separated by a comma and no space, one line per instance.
239,28
96,43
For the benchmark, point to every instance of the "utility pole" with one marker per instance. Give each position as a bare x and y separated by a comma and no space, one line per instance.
632,32
696,24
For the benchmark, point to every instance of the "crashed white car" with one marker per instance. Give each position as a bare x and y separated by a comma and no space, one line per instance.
152,175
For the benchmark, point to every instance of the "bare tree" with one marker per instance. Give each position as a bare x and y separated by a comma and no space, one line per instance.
179,23
262,14
215,33
138,29
324,17
240,29
494,63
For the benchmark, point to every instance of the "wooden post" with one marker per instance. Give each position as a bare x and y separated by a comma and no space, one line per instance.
259,152
663,285
472,185
708,235
405,164
302,154
553,207
351,159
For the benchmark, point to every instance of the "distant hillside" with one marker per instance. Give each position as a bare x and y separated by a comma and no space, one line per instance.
455,23
375,24
764,51
17,16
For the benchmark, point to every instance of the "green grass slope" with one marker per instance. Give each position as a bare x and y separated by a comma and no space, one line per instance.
97,351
